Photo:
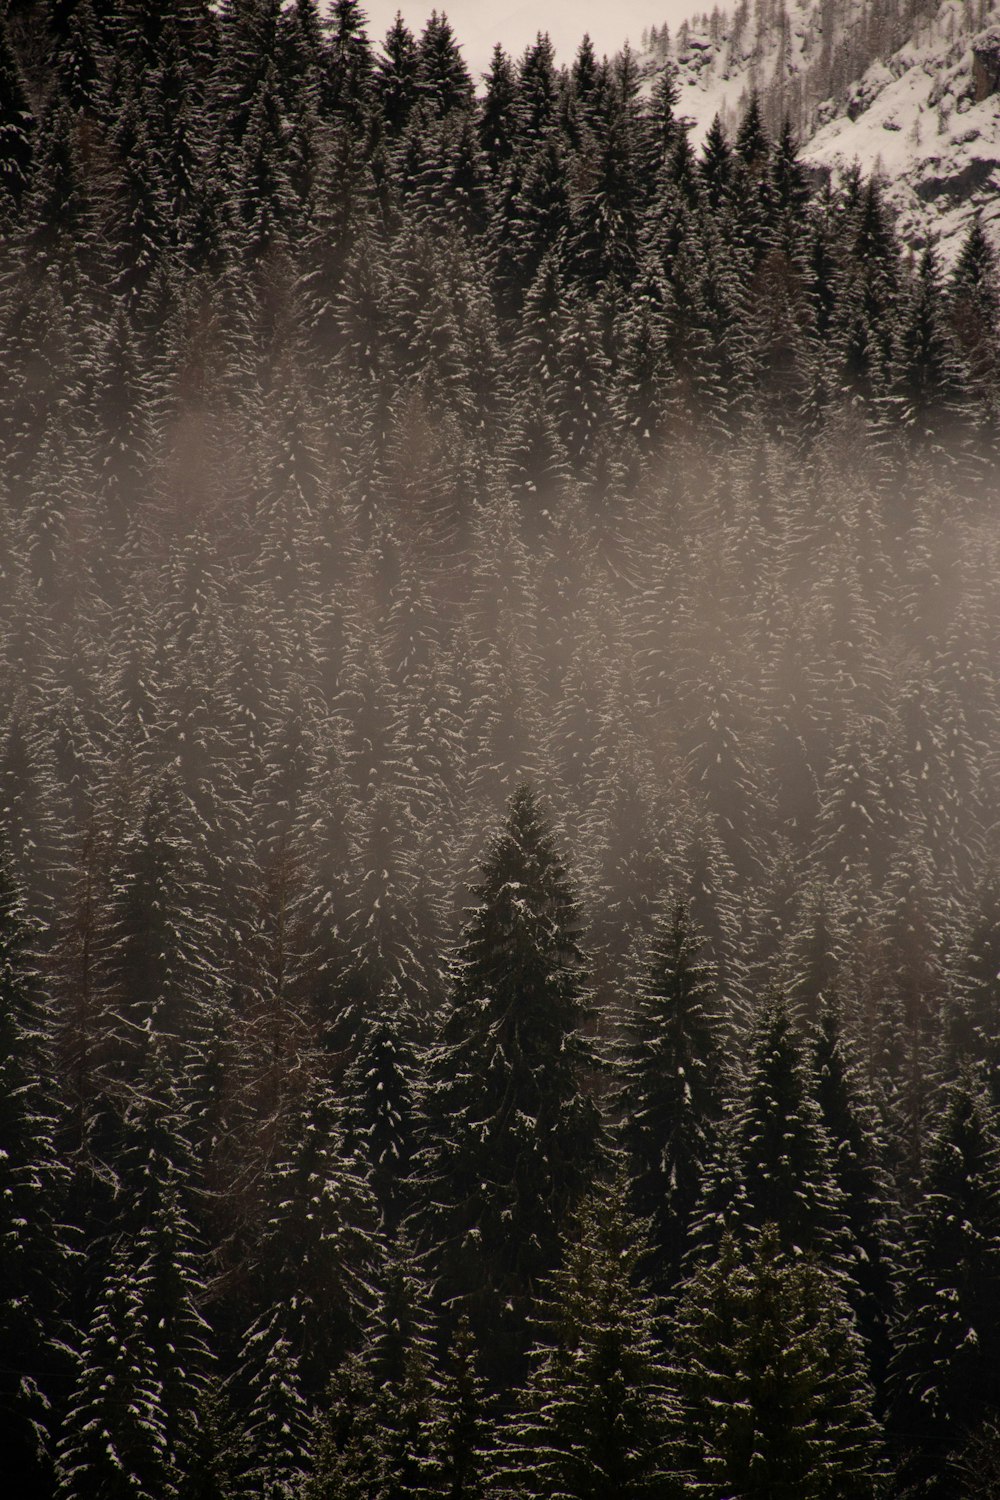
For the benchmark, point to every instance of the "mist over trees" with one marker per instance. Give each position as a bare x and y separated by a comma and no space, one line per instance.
499,916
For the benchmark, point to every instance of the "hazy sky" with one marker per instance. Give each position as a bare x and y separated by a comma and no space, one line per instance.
515,23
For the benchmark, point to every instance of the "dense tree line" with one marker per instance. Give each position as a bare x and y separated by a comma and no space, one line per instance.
499,928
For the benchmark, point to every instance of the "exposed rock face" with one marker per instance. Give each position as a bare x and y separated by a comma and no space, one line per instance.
986,64
921,109
929,125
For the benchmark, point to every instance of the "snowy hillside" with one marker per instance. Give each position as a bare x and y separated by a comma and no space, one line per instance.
906,90
928,121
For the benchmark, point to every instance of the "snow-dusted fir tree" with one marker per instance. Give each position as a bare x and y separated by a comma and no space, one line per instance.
114,1442
592,1420
973,311
33,1242
380,1102
16,131
276,1417
497,112
511,1133
930,380
174,1277
850,1121
774,1401
157,940
396,84
945,1372
972,1028
318,1249
774,1162
670,1090
377,1421
346,1459
461,1446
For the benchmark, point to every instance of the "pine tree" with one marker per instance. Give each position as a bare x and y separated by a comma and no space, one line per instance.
602,245
929,381
662,129
79,63
716,164
318,1243
179,1337
217,1453
374,1438
865,321
973,1017
57,223
774,1163
247,42
850,1123
33,1241
537,94
974,308
461,1456
944,1373
136,220
16,131
789,180
268,223
511,1134
442,78
350,78
396,77
402,1372
498,113
582,396
113,1444
121,431
592,1419
380,1090
157,944
670,1092
773,1399
302,59
531,222
588,91
277,1419
154,1159
644,374
346,1462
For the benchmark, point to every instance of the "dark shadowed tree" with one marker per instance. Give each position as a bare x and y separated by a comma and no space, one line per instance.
511,1131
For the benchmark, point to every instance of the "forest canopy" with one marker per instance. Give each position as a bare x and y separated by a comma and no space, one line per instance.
499,908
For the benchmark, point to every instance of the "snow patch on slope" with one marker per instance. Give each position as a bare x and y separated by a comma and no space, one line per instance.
924,115
916,123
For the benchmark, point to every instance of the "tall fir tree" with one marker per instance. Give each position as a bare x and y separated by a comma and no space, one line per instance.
114,1443
17,129
511,1132
461,1439
592,1419
34,1241
944,1372
276,1417
774,1402
850,1119
380,1110
318,1248
669,1093
774,1164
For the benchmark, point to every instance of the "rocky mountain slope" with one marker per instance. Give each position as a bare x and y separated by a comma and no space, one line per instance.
908,89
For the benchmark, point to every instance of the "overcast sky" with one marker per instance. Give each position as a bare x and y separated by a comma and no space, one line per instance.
515,23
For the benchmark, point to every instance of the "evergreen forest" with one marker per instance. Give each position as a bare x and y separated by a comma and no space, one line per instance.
499,724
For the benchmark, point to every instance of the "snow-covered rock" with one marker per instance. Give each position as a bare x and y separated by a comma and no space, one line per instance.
907,89
930,127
